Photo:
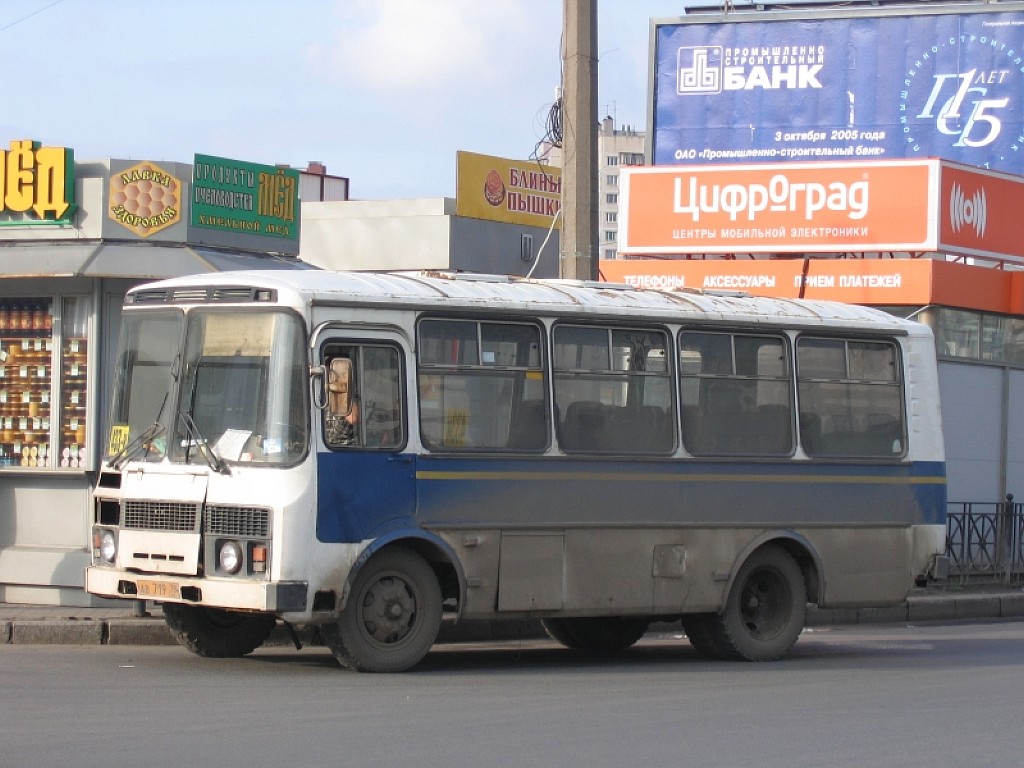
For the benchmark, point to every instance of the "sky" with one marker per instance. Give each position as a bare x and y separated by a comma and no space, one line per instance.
384,92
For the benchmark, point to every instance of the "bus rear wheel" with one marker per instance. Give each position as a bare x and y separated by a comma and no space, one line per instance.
608,634
215,633
392,616
765,611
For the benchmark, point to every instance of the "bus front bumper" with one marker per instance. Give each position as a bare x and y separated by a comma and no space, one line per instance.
231,594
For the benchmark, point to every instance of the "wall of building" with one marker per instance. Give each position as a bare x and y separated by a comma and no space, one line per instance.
418,234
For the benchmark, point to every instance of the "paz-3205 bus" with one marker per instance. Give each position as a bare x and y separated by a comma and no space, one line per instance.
370,453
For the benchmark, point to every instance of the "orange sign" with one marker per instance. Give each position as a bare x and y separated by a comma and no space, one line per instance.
879,282
981,213
769,208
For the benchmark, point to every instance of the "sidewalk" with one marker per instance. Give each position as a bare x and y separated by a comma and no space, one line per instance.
61,625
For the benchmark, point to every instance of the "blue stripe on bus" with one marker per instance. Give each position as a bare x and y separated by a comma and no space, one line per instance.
363,495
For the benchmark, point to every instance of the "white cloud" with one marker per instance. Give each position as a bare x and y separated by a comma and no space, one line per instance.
399,45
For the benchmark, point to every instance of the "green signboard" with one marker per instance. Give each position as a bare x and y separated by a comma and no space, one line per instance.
37,184
245,198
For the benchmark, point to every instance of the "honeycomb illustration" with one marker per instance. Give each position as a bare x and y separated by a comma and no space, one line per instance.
144,199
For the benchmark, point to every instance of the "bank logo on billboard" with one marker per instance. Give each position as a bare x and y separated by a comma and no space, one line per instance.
963,109
967,211
708,69
700,69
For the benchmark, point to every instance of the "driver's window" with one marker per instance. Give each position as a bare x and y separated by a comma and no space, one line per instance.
364,397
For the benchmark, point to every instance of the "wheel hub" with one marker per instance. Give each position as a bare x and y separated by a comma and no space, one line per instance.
388,610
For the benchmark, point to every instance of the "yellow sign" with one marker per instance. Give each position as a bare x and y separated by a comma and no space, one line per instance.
37,179
118,439
456,426
513,191
144,199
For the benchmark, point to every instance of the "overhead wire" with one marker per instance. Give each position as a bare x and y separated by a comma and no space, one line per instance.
30,15
551,138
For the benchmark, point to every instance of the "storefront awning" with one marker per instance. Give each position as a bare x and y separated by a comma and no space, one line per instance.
878,282
142,260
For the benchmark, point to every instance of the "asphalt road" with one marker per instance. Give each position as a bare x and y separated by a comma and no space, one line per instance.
892,695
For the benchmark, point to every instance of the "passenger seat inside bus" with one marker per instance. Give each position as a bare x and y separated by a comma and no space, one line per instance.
584,426
528,431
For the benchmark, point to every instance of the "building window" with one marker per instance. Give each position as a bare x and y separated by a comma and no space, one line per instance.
612,160
610,236
978,336
611,217
631,158
612,180
612,198
610,253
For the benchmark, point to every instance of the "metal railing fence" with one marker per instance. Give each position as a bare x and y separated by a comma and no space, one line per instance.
985,541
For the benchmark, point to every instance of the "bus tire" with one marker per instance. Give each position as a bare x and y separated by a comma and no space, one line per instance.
392,616
215,633
764,614
608,634
699,631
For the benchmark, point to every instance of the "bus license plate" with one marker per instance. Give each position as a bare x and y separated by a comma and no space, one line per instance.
157,589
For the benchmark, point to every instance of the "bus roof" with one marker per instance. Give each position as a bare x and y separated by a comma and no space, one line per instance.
500,294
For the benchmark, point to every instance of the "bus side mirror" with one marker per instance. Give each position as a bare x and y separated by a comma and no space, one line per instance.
339,386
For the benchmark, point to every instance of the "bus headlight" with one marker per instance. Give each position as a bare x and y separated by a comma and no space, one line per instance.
230,557
107,546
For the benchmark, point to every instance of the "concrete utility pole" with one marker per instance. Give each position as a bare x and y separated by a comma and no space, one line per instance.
578,258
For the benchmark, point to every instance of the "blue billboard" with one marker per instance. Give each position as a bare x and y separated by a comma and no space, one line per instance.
752,88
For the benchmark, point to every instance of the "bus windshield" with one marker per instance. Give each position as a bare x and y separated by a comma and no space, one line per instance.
211,387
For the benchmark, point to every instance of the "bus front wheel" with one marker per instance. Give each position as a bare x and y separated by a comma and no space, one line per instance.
765,611
392,616
216,633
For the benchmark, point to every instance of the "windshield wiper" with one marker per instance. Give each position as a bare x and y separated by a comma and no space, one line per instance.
213,461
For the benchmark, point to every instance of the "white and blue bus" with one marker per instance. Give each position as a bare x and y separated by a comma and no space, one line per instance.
372,453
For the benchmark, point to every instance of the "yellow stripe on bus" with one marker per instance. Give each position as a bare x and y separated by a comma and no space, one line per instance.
715,478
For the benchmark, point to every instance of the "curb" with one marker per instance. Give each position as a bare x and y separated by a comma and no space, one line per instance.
950,607
153,631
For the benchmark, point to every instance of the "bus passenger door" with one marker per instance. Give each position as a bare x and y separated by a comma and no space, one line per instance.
366,482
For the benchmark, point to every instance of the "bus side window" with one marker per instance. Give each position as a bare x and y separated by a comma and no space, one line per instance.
851,398
381,397
614,389
364,405
736,394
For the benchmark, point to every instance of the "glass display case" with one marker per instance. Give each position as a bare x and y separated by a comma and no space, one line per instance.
72,403
43,383
26,381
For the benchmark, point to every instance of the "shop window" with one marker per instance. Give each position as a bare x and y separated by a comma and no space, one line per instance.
74,348
959,333
26,355
43,381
